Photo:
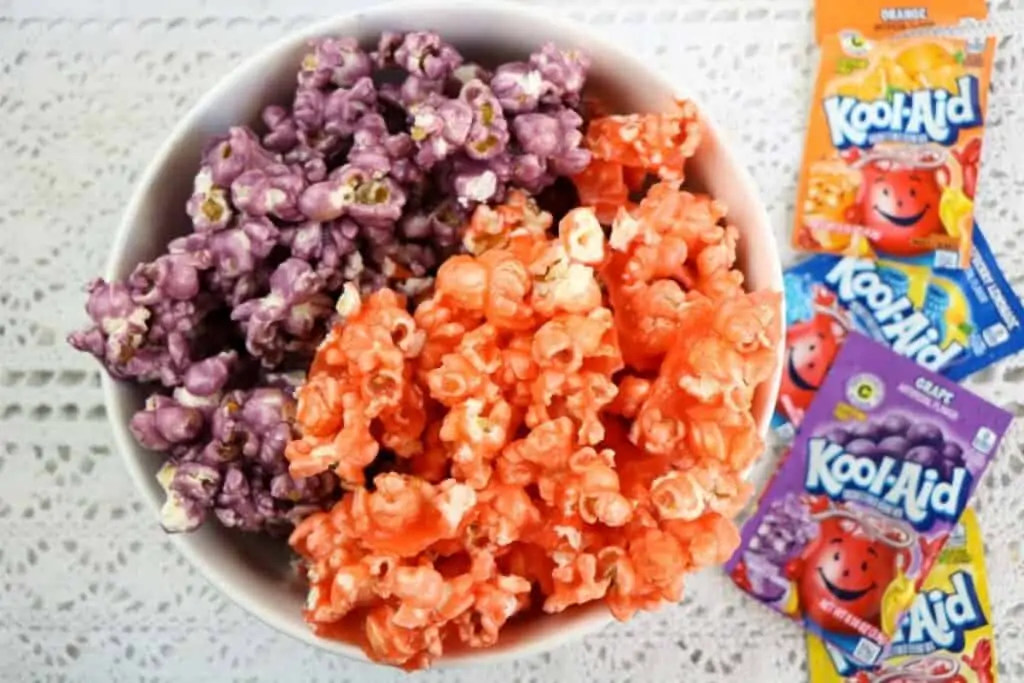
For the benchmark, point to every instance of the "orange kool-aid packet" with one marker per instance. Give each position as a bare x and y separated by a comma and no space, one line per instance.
890,166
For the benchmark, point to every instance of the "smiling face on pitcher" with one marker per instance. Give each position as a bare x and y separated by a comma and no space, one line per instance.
900,205
849,569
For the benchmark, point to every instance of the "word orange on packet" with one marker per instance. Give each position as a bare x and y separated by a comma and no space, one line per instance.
878,18
890,165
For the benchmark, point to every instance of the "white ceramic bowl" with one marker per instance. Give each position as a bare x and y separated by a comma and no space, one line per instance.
254,572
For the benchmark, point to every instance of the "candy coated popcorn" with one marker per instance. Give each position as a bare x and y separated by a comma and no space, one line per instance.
532,464
349,181
505,412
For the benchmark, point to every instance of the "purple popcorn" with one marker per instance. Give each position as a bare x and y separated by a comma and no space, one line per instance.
518,87
464,74
440,127
324,245
179,513
478,181
337,61
384,56
138,330
119,325
488,135
368,197
530,172
242,506
282,133
308,112
439,225
165,423
228,157
424,54
377,202
344,107
411,91
378,151
208,207
555,138
312,162
564,73
173,276
272,191
235,466
196,482
238,257
204,382
327,200
287,318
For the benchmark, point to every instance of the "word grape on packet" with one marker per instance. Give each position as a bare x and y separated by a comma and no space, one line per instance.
955,323
947,637
880,472
890,164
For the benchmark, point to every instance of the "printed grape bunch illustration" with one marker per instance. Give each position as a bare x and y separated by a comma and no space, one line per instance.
897,436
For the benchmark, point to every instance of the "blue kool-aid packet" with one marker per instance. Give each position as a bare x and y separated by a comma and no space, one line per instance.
951,322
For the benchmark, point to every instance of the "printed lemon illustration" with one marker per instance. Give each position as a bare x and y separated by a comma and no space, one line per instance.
924,57
791,603
955,208
898,597
917,278
957,312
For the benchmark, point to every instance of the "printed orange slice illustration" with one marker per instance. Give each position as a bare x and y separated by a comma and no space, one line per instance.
924,57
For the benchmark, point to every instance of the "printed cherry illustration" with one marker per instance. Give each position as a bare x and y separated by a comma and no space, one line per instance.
969,158
980,661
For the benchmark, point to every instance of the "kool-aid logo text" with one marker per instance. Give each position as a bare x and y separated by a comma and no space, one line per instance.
859,286
901,489
938,620
919,116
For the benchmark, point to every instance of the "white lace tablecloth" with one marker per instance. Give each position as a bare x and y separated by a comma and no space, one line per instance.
90,590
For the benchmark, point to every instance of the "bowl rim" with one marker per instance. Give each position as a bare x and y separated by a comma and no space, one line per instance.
248,69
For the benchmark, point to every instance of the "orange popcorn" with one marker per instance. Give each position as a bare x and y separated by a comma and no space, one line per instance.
602,185
565,418
659,143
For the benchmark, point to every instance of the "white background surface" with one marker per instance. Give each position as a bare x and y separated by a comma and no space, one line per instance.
90,590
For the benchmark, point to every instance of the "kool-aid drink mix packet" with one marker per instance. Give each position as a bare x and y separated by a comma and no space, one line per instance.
946,637
954,322
890,165
877,478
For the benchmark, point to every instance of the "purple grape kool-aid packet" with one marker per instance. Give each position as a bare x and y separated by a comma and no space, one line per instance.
883,466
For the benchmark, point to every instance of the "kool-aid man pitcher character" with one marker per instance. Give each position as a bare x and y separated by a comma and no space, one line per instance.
811,346
857,563
899,196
